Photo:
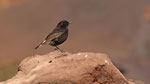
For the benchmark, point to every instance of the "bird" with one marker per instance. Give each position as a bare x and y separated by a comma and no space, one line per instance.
57,36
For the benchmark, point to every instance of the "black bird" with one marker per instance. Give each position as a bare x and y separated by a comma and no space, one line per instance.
57,36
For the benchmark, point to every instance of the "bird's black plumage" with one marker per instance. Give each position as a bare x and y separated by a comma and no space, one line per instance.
57,36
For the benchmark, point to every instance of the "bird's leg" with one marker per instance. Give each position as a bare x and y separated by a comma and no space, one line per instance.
59,49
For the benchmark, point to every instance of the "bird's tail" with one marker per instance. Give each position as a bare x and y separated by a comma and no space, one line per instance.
41,44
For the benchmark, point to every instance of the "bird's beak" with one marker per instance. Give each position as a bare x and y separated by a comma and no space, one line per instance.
70,22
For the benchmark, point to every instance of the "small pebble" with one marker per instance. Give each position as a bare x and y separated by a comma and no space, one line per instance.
86,55
78,54
107,62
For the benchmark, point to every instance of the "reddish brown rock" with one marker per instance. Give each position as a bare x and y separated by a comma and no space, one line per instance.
66,68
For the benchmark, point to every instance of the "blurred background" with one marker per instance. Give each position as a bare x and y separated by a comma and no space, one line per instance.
119,28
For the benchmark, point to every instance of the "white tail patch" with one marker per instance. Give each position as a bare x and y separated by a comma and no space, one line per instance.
40,44
43,41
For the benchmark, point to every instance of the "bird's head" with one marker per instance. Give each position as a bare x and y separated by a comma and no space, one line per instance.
63,24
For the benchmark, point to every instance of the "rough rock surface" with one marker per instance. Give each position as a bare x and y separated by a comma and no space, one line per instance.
67,68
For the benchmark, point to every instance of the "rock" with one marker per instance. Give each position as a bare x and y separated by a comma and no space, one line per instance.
67,68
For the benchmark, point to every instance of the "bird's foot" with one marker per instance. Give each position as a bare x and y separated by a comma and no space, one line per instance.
57,48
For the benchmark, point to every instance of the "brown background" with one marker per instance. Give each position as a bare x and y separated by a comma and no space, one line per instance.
119,28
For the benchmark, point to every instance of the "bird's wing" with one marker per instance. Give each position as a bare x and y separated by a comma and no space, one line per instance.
53,35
